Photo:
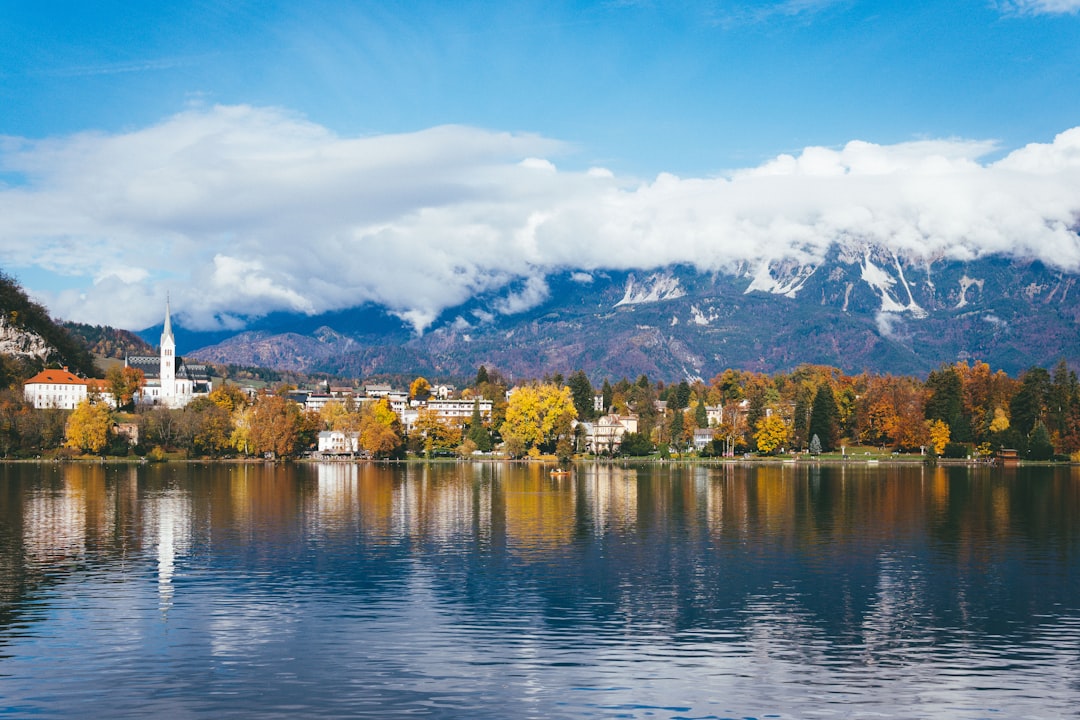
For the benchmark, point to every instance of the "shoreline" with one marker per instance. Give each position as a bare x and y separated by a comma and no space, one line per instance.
839,461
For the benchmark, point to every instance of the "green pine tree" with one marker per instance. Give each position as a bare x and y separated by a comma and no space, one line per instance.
477,432
701,415
582,391
824,418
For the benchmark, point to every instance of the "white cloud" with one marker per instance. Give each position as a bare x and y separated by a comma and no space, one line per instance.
1040,7
534,292
240,211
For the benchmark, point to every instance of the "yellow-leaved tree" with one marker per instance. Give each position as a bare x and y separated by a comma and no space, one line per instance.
124,383
437,433
229,396
380,429
420,389
88,427
333,415
241,435
939,435
1000,423
539,415
771,433
276,424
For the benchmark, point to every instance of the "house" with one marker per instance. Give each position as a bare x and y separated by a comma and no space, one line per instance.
443,392
339,442
703,437
459,411
55,389
604,437
169,380
317,401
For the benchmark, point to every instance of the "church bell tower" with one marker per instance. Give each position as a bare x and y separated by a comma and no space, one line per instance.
168,359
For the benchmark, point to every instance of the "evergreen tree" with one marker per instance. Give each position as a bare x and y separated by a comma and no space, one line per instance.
677,426
1028,406
608,393
946,402
1062,396
582,392
477,432
824,418
701,415
815,445
681,396
635,444
801,421
481,375
1039,445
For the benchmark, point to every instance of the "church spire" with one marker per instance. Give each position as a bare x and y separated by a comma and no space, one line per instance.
166,332
168,359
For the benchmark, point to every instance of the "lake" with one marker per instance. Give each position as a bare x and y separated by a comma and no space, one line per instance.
497,591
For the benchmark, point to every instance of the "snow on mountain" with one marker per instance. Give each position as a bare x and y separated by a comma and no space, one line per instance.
699,318
883,283
966,284
657,287
785,279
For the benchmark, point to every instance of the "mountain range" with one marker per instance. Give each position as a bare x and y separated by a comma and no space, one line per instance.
861,308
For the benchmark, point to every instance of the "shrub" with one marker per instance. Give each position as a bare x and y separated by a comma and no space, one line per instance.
956,450
635,444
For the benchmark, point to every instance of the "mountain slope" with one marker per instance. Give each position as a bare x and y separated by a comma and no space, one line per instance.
109,342
863,308
30,339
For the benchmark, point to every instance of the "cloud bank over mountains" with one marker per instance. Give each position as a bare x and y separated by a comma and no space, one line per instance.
239,211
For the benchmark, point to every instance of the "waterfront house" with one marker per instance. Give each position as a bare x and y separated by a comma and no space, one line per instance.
604,437
339,442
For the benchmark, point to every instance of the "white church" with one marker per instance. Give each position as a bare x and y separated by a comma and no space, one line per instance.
169,380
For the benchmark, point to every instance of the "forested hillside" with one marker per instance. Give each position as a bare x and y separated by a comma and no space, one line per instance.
31,340
108,341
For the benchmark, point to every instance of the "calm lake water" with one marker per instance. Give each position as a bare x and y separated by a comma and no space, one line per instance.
491,591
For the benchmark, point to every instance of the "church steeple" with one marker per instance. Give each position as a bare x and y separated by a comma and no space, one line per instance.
168,359
166,332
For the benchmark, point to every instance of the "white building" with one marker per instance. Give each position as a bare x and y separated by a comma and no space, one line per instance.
703,437
55,389
169,380
339,442
458,411
605,435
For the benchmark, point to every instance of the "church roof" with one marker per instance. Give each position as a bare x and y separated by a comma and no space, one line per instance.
151,368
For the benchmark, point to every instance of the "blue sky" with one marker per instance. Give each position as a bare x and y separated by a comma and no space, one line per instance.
622,100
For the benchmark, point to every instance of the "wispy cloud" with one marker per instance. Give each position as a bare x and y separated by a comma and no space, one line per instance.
736,14
241,211
1040,7
139,65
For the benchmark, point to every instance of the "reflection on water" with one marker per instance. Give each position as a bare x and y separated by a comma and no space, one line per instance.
488,590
